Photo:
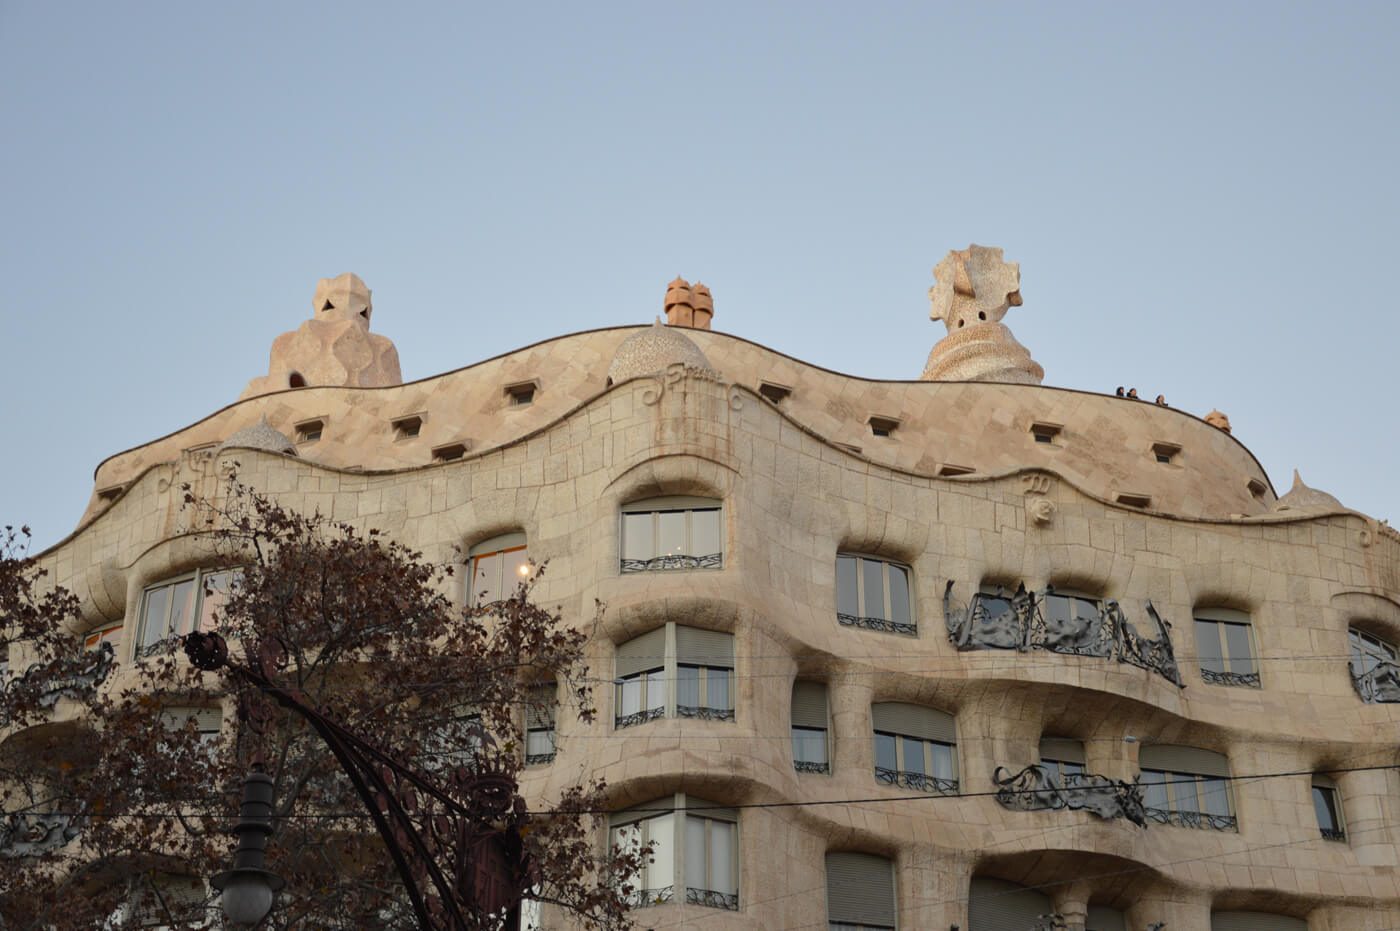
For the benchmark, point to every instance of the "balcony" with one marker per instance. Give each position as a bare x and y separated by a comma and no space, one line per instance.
921,782
1035,789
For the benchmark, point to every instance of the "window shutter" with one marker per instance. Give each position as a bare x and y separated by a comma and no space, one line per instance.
642,812
1058,748
694,805
704,647
641,653
670,503
860,889
539,714
1103,918
1255,921
809,704
998,905
1178,759
914,721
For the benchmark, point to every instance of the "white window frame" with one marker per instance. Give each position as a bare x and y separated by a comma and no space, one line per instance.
1174,784
668,683
1326,786
1221,618
1365,647
504,586
680,812
863,618
541,718
690,559
145,646
800,763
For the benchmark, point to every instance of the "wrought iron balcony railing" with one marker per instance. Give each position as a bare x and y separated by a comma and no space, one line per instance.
643,897
638,717
662,563
1194,819
1019,623
704,714
877,623
1035,789
1333,834
536,759
32,834
921,782
1379,684
1249,680
712,899
811,766
89,671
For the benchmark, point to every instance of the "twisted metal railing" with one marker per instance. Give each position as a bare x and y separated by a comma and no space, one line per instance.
1035,789
808,766
921,782
712,899
1194,819
671,561
1249,680
1378,685
876,623
704,713
638,717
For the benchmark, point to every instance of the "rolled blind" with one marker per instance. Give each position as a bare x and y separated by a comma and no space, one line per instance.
809,704
670,503
704,647
897,717
1177,759
1326,782
1103,918
539,714
998,905
653,809
1255,921
694,805
641,653
859,889
1058,748
505,541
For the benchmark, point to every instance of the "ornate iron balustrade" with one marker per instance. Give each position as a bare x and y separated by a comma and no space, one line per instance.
90,671
712,899
1051,922
877,623
705,714
709,561
1017,622
1249,680
1033,789
639,717
1194,819
1377,685
535,759
923,782
1333,834
32,834
810,766
644,897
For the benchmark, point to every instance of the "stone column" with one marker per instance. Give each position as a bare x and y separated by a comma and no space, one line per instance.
853,749
1182,911
1366,800
1072,902
931,886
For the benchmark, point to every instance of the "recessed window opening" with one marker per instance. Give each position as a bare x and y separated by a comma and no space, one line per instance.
1061,758
1255,921
675,671
1166,453
1045,432
848,447
1225,647
999,904
774,392
1187,787
521,394
296,380
407,427
1134,500
309,431
873,594
915,747
110,493
451,452
675,532
1257,488
1327,804
179,606
948,469
108,633
859,892
696,850
883,426
498,566
1067,609
810,753
1373,666
539,723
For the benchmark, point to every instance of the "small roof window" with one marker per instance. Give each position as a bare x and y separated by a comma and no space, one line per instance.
309,431
407,426
773,391
522,393
949,469
1134,500
883,426
451,451
1047,433
1166,453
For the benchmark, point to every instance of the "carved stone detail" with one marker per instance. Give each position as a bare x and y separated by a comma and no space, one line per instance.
974,288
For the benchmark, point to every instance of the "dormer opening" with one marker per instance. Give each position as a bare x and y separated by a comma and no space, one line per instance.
295,380
327,306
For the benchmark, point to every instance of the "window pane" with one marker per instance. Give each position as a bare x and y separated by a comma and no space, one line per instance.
1154,790
1183,789
695,853
873,575
899,594
629,696
486,581
1052,771
1208,646
153,624
637,540
846,586
656,689
213,593
884,752
943,766
182,607
1325,804
705,533
539,743
1076,768
1239,647
717,689
913,755
688,686
662,872
1085,609
515,568
671,533
808,745
722,857
1215,799
1056,609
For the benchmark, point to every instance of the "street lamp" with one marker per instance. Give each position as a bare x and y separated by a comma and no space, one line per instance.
248,888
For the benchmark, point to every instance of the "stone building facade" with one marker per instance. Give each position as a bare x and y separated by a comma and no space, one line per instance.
910,654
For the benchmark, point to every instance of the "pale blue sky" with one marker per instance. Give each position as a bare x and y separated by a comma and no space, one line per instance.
1203,199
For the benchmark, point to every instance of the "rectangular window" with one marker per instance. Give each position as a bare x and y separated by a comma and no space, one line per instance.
496,574
873,594
407,427
672,533
1327,805
1225,646
915,747
179,606
539,724
309,431
809,728
695,850
1187,787
112,633
860,892
1060,758
521,394
700,664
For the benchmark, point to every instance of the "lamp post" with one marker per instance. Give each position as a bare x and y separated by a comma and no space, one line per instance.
456,847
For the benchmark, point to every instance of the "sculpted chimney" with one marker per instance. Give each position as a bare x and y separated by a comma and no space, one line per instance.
687,306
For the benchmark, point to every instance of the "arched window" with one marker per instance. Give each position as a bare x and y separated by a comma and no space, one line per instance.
178,606
675,671
498,566
810,751
1187,786
1225,646
915,747
873,593
675,532
697,850
860,892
